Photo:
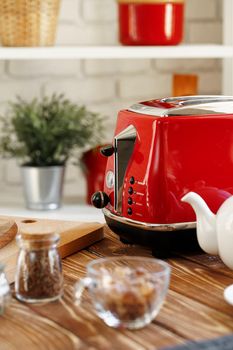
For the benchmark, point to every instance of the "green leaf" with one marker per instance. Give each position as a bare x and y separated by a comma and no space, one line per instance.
48,131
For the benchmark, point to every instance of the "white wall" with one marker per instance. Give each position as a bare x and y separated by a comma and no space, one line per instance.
108,85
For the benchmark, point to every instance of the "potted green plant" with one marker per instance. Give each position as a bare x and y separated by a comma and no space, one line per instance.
44,134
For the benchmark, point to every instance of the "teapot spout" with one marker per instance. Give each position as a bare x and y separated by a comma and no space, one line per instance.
206,223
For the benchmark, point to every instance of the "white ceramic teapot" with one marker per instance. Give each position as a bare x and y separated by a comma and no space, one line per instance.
214,232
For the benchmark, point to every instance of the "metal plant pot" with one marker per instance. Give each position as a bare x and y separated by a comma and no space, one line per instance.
43,186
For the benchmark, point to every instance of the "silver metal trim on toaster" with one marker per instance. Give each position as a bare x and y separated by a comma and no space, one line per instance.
149,226
188,106
127,134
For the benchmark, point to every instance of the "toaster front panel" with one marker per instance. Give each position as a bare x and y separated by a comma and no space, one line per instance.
135,138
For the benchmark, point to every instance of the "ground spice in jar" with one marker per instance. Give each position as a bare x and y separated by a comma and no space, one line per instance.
39,272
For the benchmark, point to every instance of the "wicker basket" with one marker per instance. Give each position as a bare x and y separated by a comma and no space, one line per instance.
28,22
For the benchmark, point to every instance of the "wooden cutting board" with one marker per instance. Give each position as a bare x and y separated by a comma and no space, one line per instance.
74,236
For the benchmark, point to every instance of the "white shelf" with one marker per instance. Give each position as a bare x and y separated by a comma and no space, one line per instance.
117,52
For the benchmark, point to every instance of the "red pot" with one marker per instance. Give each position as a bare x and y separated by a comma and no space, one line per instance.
151,22
94,164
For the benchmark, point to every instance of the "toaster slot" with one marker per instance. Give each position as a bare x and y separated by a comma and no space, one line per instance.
185,106
192,100
124,145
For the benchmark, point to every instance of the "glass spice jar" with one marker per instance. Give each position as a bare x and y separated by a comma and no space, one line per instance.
39,271
5,292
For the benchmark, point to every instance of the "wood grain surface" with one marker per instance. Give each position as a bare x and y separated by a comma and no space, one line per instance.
6,236
194,308
74,236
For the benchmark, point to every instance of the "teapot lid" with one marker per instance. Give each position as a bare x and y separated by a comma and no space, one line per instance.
185,106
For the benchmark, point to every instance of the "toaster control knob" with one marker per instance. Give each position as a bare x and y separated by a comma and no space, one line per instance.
130,190
107,151
132,180
100,199
130,201
129,211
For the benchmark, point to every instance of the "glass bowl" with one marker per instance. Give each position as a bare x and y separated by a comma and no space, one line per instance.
126,291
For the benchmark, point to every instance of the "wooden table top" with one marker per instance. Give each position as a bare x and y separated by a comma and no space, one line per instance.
194,308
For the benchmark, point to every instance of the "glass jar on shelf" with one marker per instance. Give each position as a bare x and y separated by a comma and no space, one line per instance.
39,272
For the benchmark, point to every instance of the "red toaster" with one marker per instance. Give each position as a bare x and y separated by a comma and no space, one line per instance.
161,150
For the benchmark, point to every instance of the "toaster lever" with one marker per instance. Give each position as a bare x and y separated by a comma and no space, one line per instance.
100,199
107,151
